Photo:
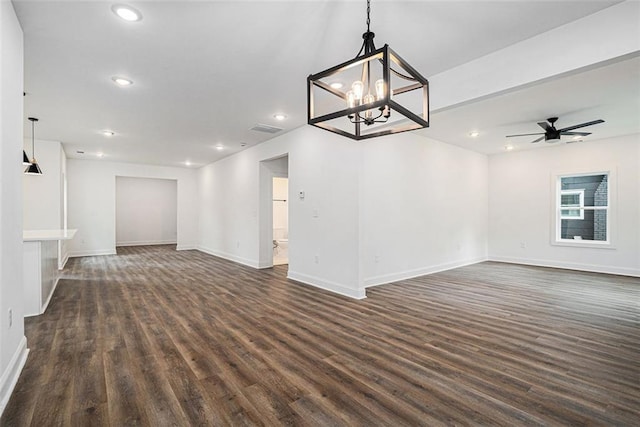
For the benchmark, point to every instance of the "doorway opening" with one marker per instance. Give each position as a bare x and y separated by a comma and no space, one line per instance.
146,211
280,220
274,245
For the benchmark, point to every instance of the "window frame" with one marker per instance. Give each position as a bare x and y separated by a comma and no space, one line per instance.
579,207
556,220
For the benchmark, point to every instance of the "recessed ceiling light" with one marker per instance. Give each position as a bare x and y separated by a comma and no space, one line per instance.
108,133
219,147
280,116
474,134
121,81
336,85
100,155
577,137
509,147
187,163
126,12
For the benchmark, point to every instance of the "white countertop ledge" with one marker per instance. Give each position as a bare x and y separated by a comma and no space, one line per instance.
39,235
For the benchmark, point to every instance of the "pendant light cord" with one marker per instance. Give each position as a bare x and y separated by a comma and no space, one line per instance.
33,142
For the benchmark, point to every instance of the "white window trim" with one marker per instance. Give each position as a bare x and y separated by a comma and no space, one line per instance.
579,207
556,222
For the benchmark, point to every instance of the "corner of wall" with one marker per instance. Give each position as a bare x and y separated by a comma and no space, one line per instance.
327,285
10,376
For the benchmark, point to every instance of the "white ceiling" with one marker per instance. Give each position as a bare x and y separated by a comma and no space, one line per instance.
206,72
610,92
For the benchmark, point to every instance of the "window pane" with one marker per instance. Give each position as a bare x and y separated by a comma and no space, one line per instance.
570,200
594,186
571,212
592,227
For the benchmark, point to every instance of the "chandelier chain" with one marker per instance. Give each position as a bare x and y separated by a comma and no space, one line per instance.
368,14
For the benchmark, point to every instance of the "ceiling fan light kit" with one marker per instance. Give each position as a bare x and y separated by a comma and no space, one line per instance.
386,94
551,134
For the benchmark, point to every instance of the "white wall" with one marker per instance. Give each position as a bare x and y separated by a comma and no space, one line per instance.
424,208
92,203
521,199
400,198
13,344
43,202
323,227
43,193
146,211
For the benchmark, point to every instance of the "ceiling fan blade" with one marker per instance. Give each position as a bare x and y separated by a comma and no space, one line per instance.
544,125
538,140
595,122
524,134
576,133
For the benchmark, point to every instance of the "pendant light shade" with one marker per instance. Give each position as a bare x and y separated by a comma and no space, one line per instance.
377,93
25,159
33,168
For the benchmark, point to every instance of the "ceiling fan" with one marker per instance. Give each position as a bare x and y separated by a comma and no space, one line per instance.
551,134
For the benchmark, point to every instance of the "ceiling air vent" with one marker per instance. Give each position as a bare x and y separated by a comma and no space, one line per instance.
266,128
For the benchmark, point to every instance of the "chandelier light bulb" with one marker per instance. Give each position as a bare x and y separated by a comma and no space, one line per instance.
358,89
380,89
368,99
351,99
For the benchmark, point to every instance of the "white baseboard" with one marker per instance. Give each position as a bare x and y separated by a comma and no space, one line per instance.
46,304
230,257
10,376
423,271
592,268
63,262
147,243
186,247
263,265
92,253
327,285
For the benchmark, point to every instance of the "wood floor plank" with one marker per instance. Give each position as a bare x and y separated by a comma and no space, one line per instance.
153,336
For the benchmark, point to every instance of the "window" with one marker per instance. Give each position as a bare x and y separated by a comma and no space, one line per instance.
582,206
572,199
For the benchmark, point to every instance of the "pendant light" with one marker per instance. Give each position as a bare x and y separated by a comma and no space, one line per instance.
34,168
25,159
382,94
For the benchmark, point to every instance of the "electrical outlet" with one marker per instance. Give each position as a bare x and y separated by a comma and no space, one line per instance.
376,259
316,259
10,317
238,244
523,245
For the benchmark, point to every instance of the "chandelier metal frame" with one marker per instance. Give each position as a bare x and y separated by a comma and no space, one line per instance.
376,110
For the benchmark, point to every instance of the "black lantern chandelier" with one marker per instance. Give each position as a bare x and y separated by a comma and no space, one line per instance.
33,168
377,93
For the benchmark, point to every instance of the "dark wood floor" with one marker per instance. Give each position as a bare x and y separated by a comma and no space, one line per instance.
158,337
